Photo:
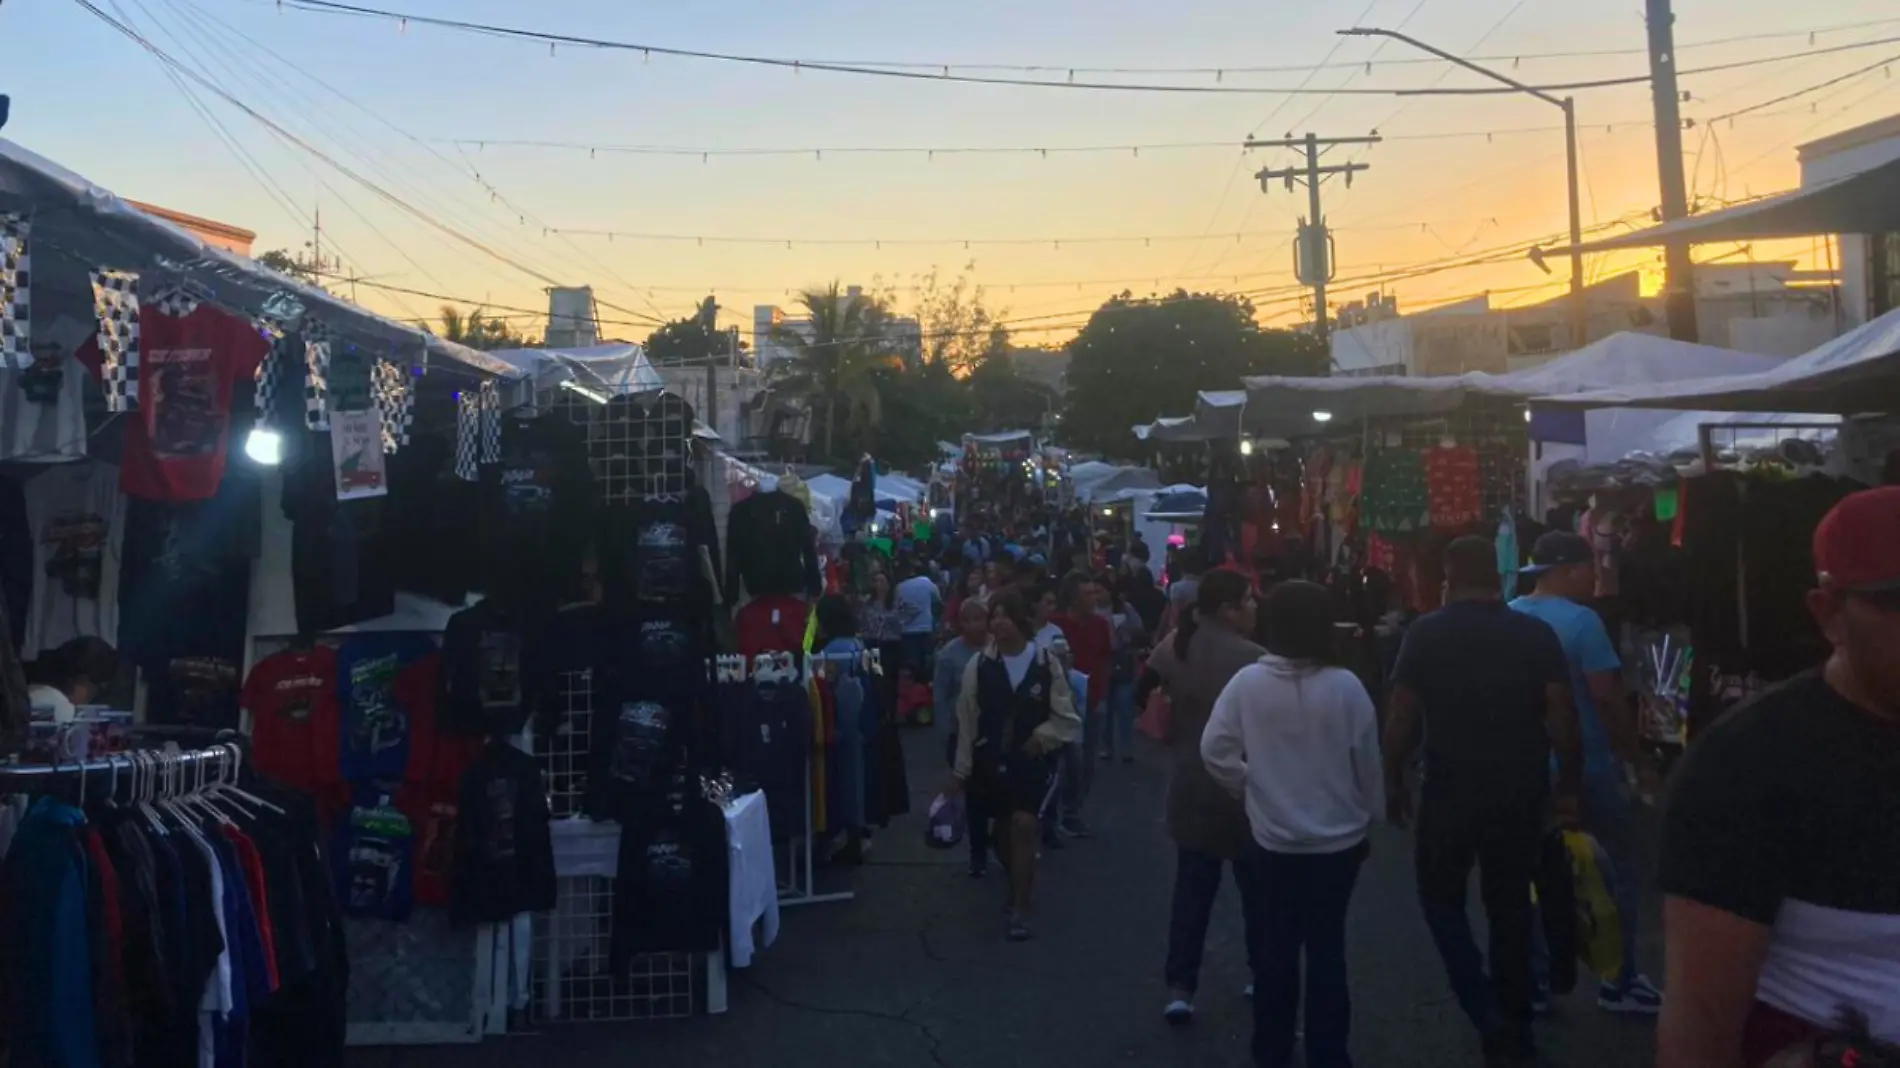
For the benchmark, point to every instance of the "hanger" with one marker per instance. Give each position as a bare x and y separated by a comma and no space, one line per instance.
237,767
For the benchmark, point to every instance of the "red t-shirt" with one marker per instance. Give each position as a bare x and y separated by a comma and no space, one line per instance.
1093,646
177,439
432,783
296,728
771,624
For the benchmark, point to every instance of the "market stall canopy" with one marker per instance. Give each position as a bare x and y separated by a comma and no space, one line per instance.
1856,372
78,226
1616,434
1217,413
889,490
613,369
1095,485
1171,428
1863,203
1180,502
1003,437
1281,406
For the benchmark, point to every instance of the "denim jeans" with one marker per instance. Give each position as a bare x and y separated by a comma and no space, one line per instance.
1118,737
1501,834
1300,902
1196,885
1078,766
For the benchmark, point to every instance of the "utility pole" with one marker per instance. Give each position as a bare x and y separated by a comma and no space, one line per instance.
1679,276
1313,252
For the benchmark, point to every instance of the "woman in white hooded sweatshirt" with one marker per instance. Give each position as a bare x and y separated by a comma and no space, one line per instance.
1296,738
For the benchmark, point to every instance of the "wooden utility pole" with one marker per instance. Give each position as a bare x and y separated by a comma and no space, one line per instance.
1679,269
1313,252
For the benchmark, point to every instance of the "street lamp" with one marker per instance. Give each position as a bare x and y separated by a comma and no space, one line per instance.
1579,311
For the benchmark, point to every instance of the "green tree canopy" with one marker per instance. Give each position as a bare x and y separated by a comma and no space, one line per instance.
696,339
1141,358
476,330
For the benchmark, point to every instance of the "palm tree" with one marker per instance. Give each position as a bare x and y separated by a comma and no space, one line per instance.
477,331
836,360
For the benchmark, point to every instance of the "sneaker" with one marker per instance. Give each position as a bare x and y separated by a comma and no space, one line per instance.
1019,930
1638,995
1247,991
978,871
1074,827
1179,1013
1540,1001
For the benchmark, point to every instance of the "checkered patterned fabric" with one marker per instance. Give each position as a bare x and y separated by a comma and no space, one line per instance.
115,300
15,290
395,390
172,300
491,422
468,417
316,375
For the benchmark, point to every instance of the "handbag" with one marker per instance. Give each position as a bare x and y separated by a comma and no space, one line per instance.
1157,717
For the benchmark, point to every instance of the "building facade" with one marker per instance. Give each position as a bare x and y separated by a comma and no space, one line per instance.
1869,263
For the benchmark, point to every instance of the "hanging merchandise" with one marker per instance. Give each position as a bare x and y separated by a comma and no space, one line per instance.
373,859
1452,486
14,704
297,722
76,518
770,547
468,418
16,292
395,390
491,421
1396,500
771,624
341,565
115,300
43,404
654,690
316,374
426,518
538,503
504,853
660,550
767,728
672,884
378,690
495,670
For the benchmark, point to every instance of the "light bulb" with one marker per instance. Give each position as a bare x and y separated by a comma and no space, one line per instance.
1246,446
264,446
1322,417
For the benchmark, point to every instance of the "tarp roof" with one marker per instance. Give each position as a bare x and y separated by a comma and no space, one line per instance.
615,368
1100,481
1280,406
1863,203
77,226
1856,372
889,489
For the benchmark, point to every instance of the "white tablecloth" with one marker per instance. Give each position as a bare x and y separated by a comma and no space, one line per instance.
585,847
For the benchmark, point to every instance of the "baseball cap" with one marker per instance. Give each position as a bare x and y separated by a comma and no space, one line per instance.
1857,545
1558,548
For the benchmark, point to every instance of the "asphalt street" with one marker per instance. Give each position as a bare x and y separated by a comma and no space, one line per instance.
915,970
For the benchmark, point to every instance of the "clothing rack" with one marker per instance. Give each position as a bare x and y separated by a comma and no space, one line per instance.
223,752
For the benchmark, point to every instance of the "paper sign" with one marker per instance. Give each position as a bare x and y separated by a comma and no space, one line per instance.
356,448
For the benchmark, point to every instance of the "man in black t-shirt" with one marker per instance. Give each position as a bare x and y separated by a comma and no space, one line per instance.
1781,836
1487,689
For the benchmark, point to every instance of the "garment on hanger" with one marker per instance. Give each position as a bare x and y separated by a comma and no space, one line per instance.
495,672
657,550
537,505
76,516
377,698
340,565
653,700
504,851
373,861
771,624
177,439
671,888
770,548
42,410
16,557
1452,486
427,517
767,735
296,721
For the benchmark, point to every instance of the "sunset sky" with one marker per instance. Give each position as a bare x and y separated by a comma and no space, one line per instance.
93,100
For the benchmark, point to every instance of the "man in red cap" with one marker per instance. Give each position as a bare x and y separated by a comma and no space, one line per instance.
1781,838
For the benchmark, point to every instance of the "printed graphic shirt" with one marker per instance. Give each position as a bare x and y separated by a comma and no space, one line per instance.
77,518
177,439
373,863
650,550
42,411
538,502
376,721
296,729
493,671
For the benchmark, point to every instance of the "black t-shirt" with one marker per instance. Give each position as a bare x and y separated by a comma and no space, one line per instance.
1481,672
1787,812
427,520
650,551
504,855
536,505
670,890
495,671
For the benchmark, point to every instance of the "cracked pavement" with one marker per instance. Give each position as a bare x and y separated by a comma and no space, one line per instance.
915,971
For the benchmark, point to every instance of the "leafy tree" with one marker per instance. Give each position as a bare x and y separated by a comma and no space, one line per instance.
477,331
835,362
1140,358
285,264
958,326
695,339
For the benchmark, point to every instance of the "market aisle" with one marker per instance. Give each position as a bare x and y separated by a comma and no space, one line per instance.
916,972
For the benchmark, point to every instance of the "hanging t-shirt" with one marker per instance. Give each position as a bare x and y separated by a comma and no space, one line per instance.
426,520
1451,477
536,507
650,550
670,888
375,719
186,577
1396,499
504,851
296,724
177,439
42,411
493,670
373,863
77,518
650,688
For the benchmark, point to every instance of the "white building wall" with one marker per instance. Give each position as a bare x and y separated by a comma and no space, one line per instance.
1836,157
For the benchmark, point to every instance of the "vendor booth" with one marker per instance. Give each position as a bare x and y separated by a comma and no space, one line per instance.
453,617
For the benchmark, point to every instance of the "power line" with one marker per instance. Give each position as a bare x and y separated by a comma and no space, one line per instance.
1805,90
945,72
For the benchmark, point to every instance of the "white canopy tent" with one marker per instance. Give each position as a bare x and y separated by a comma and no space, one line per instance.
77,226
612,369
1856,372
